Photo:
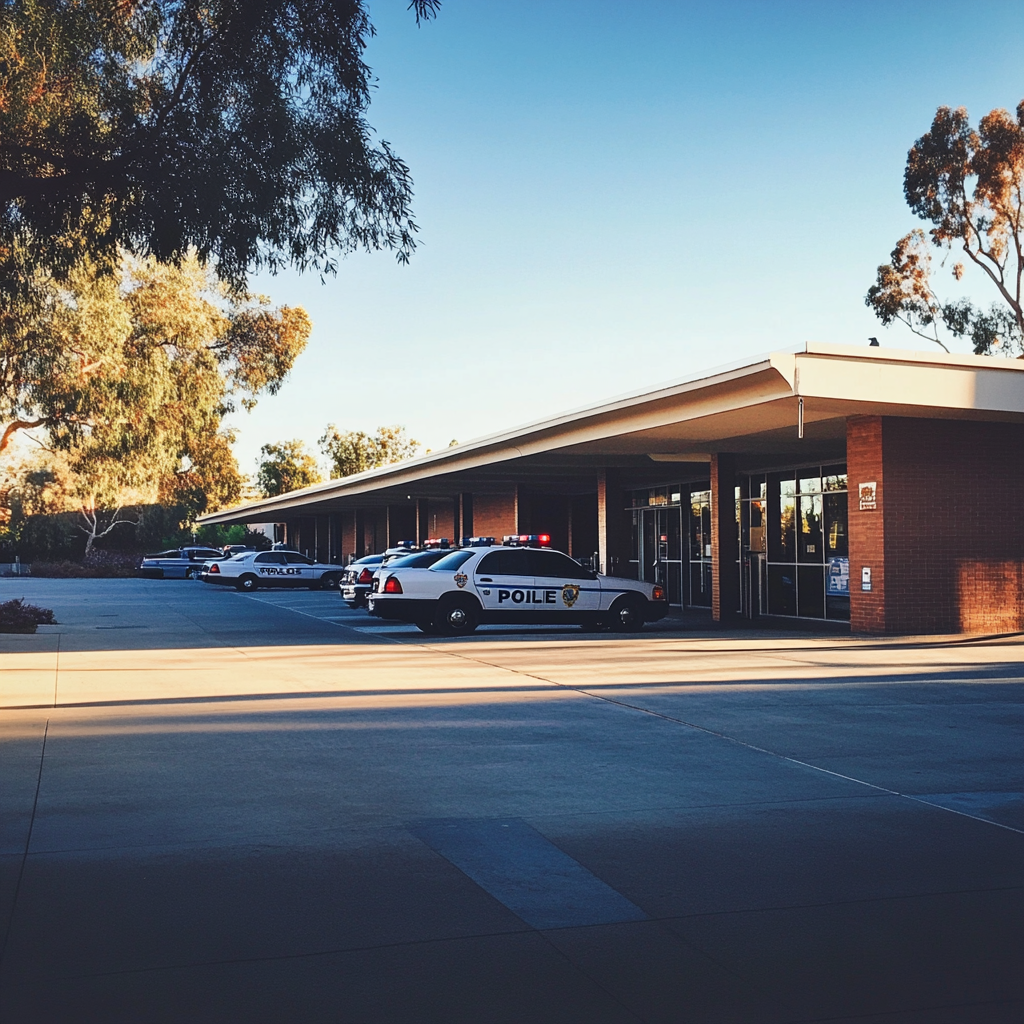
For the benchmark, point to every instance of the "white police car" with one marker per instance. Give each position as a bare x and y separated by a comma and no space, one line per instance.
520,581
251,570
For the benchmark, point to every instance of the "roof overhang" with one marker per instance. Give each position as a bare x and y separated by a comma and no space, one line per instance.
749,409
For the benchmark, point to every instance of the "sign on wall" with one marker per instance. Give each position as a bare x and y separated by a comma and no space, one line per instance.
837,582
868,496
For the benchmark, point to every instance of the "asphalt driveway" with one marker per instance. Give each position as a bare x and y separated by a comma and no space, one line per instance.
220,807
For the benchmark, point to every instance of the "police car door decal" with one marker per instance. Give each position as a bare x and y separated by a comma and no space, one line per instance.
504,583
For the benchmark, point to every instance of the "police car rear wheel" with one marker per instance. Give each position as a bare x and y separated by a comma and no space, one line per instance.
626,615
456,616
329,581
248,583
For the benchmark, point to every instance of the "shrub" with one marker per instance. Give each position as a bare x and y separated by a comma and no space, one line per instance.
18,617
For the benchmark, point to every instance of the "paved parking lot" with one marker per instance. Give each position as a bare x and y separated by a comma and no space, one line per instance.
267,808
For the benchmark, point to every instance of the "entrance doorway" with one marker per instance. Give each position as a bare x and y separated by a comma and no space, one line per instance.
660,549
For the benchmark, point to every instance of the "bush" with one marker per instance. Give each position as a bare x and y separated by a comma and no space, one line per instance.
99,565
18,617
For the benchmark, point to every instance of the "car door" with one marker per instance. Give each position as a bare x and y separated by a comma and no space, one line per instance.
566,586
270,567
504,582
300,569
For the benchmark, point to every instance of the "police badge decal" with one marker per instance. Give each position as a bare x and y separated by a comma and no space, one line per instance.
461,579
570,592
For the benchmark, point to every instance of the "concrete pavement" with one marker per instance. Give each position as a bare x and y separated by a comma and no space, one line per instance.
232,808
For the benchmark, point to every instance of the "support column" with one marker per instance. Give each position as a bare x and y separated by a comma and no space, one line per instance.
725,576
864,465
612,538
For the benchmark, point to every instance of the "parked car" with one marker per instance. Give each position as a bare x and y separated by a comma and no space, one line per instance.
251,570
522,581
178,563
356,580
418,560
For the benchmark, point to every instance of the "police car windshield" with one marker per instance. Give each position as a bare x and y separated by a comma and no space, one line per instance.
452,561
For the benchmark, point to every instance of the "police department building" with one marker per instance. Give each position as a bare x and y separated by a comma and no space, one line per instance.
874,487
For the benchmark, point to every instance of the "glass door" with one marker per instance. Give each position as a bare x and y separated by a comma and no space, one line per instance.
659,549
700,548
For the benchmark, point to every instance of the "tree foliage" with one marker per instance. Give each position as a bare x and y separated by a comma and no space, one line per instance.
285,466
969,185
129,375
355,451
233,128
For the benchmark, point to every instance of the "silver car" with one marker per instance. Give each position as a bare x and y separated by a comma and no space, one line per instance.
178,564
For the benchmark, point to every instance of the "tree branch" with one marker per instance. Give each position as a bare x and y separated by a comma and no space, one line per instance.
15,426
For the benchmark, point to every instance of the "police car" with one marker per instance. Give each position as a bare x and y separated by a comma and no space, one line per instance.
251,570
520,581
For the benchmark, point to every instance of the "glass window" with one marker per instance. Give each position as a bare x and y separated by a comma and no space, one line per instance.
834,478
369,560
166,554
836,537
452,561
781,589
811,591
553,564
507,562
810,481
271,557
809,544
294,558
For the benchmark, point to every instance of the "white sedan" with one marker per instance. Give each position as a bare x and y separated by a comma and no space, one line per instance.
517,582
251,570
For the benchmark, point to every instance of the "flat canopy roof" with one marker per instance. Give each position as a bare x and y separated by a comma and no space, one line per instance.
750,410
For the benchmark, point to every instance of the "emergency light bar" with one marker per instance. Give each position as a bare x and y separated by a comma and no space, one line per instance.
436,542
410,544
477,542
527,540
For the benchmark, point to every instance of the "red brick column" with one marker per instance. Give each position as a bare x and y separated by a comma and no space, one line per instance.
612,532
864,464
725,580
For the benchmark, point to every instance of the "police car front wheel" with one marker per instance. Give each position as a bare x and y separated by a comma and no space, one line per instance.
248,583
626,614
456,616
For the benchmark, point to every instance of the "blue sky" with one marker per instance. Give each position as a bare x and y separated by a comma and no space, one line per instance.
611,195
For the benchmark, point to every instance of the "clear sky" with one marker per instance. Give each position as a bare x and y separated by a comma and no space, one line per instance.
615,194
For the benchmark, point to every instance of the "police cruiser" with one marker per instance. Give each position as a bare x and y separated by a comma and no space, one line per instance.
520,581
254,569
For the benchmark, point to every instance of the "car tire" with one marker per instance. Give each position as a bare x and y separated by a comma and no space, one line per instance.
330,581
626,615
191,574
456,616
248,583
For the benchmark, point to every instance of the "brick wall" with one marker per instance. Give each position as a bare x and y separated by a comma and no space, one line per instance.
725,597
954,528
494,515
946,545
